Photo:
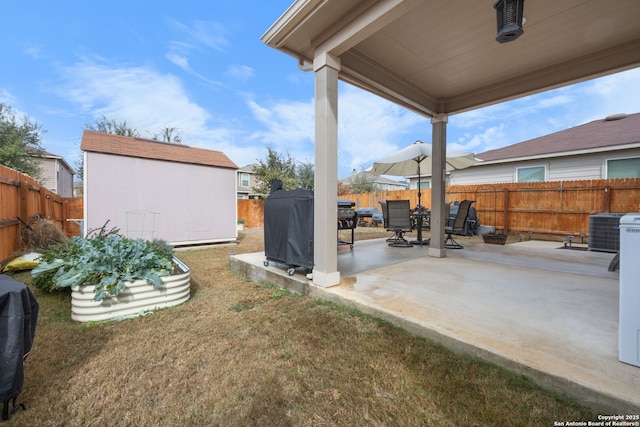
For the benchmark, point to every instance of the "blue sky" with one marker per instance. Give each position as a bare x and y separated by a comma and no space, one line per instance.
202,69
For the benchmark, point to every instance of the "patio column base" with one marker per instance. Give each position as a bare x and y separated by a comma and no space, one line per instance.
437,253
326,280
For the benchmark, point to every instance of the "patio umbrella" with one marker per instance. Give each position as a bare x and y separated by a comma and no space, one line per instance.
409,161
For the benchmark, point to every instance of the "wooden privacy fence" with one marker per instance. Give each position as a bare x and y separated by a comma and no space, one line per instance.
550,208
545,208
252,211
23,201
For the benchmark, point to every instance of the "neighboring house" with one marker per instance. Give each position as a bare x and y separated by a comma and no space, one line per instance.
56,174
380,183
425,181
154,189
246,181
601,149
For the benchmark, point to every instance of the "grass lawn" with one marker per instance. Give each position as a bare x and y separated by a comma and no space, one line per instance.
241,353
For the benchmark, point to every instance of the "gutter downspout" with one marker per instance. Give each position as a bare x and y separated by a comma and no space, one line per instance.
305,65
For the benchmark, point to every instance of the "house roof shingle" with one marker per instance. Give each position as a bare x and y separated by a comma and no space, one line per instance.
613,131
150,149
248,168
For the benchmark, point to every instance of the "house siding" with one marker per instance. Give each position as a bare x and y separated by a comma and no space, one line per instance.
485,174
576,167
60,183
246,191
65,181
48,174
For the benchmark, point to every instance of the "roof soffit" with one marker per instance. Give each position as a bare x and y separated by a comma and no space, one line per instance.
433,56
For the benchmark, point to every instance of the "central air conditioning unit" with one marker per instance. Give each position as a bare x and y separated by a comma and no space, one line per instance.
604,232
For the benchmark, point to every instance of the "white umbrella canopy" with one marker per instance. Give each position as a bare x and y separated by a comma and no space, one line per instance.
410,161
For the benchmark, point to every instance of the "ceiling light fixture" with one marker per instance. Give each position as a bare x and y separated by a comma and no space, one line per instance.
509,17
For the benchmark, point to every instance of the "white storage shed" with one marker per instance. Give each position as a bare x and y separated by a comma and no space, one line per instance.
154,189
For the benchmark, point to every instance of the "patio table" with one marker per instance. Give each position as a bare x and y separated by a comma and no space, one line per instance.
420,220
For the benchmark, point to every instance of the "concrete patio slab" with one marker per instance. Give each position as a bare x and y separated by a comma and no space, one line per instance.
532,307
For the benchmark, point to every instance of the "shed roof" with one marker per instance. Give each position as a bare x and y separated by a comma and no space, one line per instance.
99,142
614,131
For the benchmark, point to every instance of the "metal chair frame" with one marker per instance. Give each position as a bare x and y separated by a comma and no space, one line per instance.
399,221
458,225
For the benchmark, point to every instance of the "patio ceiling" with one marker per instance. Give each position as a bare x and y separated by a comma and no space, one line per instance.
441,56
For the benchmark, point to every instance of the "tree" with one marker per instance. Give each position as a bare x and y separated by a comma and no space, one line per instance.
112,126
78,162
305,173
168,134
362,182
343,189
276,166
20,142
115,127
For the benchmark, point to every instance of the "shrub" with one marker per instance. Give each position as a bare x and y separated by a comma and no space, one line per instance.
66,250
41,235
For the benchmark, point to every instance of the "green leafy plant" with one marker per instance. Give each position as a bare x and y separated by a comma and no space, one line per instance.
68,249
106,262
161,248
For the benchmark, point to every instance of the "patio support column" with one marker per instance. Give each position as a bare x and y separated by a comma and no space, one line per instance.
325,207
438,190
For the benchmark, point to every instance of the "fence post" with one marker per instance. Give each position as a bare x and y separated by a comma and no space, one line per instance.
44,206
506,210
65,214
23,196
606,200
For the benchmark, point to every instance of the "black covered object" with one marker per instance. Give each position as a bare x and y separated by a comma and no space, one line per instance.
18,318
288,228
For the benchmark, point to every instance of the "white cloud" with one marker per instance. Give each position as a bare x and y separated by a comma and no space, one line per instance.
617,93
34,51
179,60
210,34
149,101
10,100
492,137
289,125
240,72
369,127
541,114
144,98
202,35
609,85
7,97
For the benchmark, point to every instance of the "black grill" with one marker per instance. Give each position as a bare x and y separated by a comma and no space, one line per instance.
347,220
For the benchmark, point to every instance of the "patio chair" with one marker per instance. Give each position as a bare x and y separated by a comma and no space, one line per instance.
398,221
385,218
458,225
